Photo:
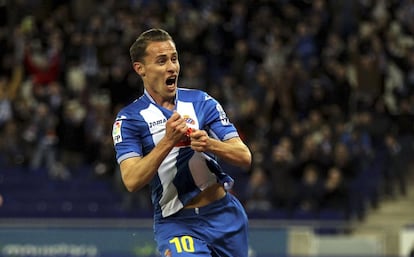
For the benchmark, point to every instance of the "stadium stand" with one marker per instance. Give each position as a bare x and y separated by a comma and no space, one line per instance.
318,83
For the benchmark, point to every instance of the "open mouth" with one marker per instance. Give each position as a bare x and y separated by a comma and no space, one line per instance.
170,81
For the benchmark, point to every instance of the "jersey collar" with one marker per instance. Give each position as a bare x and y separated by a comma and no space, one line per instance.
149,97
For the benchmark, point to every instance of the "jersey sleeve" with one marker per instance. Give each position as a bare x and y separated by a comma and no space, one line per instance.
218,124
126,143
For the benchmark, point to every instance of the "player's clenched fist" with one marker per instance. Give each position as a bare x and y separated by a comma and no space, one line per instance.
199,140
176,128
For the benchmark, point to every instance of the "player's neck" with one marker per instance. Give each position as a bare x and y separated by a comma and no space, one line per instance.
168,105
166,102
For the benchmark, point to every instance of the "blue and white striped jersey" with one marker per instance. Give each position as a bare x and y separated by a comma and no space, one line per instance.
184,173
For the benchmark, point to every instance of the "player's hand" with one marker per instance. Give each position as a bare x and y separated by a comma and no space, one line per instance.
176,128
199,140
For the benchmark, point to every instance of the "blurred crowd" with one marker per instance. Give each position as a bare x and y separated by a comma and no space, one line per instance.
322,91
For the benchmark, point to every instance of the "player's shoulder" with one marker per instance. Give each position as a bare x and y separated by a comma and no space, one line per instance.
190,94
131,110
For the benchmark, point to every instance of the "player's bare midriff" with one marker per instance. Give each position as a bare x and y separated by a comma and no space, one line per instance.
211,194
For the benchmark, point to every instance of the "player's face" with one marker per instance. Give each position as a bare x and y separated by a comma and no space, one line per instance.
159,71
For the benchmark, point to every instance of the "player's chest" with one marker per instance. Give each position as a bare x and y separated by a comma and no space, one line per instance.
154,122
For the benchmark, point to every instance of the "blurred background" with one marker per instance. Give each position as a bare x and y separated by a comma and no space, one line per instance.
322,91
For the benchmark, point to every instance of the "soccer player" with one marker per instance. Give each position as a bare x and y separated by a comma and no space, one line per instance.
170,138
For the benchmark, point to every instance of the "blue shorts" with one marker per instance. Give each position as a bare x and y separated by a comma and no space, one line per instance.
219,229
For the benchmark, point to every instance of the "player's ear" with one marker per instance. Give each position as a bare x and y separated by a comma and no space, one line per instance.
139,68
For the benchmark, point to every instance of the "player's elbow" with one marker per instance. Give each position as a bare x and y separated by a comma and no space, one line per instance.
133,186
129,174
130,188
247,160
130,184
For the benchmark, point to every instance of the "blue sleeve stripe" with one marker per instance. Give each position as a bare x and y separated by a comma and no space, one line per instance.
127,156
230,135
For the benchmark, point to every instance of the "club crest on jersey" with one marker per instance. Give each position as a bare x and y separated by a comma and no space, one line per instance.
116,132
188,119
186,141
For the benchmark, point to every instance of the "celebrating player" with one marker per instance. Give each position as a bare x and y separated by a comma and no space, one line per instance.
170,138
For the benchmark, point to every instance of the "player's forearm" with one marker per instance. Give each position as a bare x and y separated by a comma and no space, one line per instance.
233,151
138,172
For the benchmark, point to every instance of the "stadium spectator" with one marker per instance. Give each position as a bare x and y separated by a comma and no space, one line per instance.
308,190
335,192
279,168
258,191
